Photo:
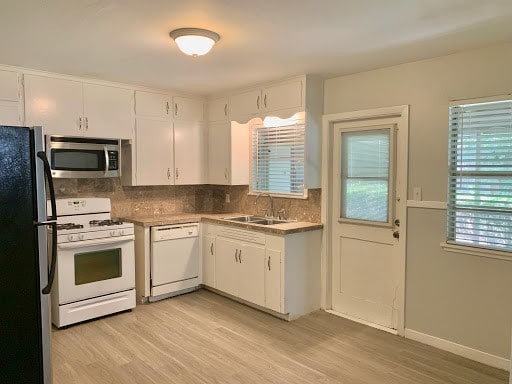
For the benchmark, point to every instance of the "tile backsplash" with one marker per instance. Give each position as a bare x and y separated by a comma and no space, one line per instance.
166,200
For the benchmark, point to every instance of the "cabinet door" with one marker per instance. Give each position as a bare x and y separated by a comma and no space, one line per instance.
55,104
246,103
9,86
226,265
109,111
209,260
283,96
190,152
154,152
240,153
218,109
219,148
251,285
273,294
152,104
188,109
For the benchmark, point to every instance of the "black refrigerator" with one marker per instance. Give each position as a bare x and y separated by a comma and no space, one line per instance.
26,272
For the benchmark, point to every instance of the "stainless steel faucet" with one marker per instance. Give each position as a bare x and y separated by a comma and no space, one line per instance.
271,213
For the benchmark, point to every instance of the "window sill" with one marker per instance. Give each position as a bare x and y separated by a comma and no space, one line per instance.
474,251
280,195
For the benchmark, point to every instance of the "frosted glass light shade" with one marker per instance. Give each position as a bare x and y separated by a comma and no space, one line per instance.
194,41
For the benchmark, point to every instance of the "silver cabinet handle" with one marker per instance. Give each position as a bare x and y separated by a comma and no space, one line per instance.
236,254
258,102
167,107
175,109
268,263
80,123
211,248
240,256
226,174
225,109
177,173
168,173
265,101
86,123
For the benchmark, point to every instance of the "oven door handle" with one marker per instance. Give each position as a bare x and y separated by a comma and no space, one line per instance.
107,160
91,243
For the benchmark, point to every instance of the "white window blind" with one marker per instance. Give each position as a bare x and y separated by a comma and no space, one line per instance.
480,175
277,161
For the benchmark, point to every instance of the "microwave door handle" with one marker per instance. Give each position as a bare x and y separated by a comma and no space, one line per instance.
51,221
107,161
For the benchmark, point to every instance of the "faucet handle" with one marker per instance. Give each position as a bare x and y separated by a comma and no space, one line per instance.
281,214
265,212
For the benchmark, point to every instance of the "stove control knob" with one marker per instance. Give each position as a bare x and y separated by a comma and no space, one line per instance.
81,236
71,238
112,233
121,232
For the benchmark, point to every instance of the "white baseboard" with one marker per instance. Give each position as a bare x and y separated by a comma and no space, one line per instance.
364,322
458,349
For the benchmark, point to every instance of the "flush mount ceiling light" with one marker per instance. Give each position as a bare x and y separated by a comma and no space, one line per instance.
194,41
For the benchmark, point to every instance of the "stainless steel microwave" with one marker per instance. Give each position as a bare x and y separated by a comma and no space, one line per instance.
81,157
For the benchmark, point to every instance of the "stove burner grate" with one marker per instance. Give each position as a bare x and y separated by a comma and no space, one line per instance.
104,223
69,226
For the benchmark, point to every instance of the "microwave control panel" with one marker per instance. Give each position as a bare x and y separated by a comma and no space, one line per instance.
113,160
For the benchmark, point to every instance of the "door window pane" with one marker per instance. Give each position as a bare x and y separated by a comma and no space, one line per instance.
97,266
365,175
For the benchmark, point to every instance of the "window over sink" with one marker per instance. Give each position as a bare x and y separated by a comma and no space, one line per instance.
277,156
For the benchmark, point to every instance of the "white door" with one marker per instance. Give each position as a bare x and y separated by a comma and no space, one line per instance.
154,152
218,109
188,109
151,104
219,152
246,103
190,153
209,260
9,99
283,96
366,269
273,280
251,278
55,104
226,265
108,111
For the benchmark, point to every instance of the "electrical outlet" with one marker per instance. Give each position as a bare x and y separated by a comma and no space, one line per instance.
228,199
416,193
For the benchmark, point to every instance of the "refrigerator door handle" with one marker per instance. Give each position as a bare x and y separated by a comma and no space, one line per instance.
51,221
49,177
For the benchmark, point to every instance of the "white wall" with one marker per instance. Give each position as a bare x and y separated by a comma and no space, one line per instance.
461,298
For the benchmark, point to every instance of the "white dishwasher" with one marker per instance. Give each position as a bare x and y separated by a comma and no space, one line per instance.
174,260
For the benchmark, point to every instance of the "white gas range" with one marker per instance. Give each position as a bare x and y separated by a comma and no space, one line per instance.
95,274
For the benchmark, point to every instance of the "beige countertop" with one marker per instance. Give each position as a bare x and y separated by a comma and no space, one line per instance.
217,218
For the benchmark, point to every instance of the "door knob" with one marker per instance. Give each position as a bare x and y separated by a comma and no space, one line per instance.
396,234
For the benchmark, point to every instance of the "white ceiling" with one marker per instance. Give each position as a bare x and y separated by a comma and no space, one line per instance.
261,40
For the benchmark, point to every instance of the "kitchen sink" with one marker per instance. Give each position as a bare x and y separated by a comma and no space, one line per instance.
250,219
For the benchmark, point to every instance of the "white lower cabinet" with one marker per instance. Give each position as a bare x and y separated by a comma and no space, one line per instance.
273,272
278,272
208,252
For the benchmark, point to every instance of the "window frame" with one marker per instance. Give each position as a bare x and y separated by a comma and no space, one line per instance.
259,126
451,245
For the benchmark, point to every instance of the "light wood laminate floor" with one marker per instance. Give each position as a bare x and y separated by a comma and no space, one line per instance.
205,338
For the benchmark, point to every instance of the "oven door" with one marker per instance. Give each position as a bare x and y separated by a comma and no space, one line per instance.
92,268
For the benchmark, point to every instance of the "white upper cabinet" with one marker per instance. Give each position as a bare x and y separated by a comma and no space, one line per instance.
218,109
9,99
72,108
190,153
219,156
286,97
152,104
283,96
188,109
154,142
55,104
245,104
108,111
